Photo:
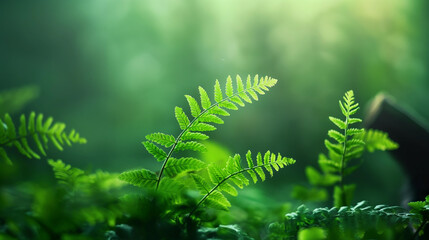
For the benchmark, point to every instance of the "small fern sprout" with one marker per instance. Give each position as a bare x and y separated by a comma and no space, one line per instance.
345,144
40,131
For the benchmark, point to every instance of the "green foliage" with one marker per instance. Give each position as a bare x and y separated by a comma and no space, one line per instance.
36,130
86,206
377,140
77,184
357,222
77,205
203,118
345,144
224,179
178,173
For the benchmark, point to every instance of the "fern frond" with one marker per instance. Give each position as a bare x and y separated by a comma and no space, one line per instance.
346,148
35,130
234,174
347,144
204,116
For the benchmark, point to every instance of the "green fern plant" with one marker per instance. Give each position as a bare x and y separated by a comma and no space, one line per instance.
204,116
37,130
349,143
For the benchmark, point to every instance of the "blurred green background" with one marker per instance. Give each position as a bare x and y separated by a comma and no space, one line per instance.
115,70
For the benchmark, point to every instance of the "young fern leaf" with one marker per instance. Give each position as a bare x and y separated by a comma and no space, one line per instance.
36,130
345,148
234,174
348,143
204,116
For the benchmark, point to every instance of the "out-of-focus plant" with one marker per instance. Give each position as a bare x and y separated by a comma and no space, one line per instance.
36,130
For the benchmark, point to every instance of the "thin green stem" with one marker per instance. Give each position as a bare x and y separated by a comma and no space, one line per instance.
224,180
343,194
416,234
22,136
161,172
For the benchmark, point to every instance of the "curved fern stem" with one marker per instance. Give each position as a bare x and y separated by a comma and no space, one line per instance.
178,139
223,181
30,134
421,227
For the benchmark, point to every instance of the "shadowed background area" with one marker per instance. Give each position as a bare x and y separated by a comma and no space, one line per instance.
115,71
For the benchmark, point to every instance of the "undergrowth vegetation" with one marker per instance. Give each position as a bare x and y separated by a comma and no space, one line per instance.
183,199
